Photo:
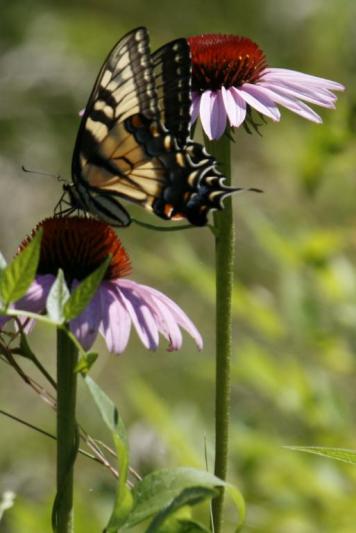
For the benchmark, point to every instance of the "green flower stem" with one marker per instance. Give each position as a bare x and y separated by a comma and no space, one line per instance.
67,431
224,233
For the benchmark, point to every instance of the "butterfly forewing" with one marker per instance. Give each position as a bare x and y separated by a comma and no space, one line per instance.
124,87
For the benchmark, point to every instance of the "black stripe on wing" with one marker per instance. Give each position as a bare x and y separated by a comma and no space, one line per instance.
172,74
193,186
124,86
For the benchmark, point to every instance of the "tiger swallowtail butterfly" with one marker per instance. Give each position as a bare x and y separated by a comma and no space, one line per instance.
133,141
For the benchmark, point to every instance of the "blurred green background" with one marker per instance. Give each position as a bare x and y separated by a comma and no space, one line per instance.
294,365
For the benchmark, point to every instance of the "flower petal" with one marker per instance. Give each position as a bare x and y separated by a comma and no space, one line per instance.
169,315
35,299
257,98
235,107
296,91
212,114
165,320
140,312
115,325
294,105
284,74
194,110
86,326
36,296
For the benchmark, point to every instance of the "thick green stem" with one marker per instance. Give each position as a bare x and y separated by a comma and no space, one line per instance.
67,432
224,271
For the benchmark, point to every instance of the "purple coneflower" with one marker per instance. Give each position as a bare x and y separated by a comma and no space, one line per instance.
230,74
80,245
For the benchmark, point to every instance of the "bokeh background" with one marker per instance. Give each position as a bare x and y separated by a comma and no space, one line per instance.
294,364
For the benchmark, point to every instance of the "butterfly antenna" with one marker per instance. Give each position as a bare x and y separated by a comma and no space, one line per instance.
58,177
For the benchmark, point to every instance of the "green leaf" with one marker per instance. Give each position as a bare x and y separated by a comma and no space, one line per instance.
190,496
109,413
84,292
339,454
159,489
16,278
86,362
57,297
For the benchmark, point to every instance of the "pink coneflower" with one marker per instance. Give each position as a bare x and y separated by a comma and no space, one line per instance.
79,246
230,74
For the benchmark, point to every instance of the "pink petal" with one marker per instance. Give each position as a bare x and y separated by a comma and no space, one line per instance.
86,326
235,107
116,323
299,92
170,315
194,110
257,98
212,114
294,105
141,314
34,300
36,296
287,74
166,322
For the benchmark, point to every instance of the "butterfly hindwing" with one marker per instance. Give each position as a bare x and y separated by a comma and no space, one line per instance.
172,74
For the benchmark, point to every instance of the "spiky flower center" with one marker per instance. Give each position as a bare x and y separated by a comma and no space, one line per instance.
224,60
78,246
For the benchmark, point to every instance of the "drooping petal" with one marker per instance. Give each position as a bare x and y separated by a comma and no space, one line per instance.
297,106
86,326
194,110
179,316
303,93
116,323
212,114
170,316
307,79
257,98
140,312
235,107
166,323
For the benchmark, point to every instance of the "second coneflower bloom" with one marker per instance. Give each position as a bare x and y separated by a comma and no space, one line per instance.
79,246
230,75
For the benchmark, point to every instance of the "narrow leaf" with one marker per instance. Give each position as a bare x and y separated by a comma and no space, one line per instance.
84,292
340,454
16,278
57,297
109,413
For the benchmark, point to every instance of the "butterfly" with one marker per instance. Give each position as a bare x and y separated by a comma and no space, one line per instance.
133,142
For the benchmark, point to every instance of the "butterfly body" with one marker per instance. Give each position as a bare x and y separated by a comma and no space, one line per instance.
133,142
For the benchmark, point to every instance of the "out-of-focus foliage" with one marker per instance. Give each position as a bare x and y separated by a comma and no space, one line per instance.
294,368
